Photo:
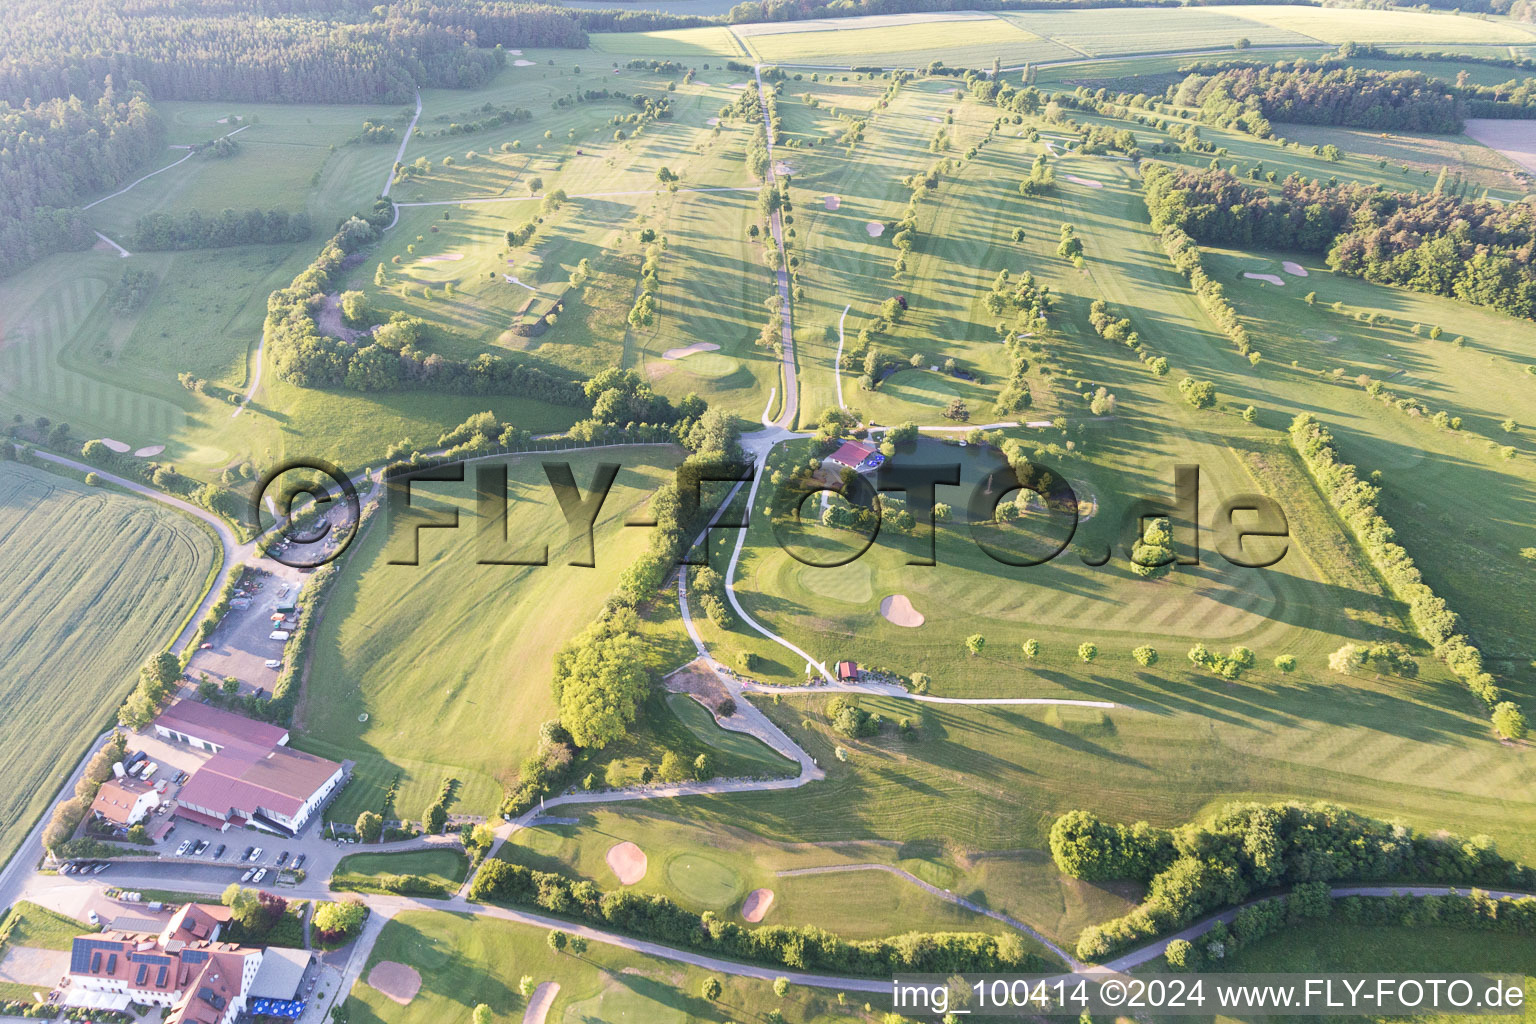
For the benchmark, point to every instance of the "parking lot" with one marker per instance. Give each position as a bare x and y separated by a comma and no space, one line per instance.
241,646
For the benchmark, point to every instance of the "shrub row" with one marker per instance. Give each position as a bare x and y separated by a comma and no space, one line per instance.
1355,501
1184,254
1248,848
656,917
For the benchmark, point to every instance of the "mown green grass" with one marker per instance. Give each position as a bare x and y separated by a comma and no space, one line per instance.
697,720
465,960
358,872
97,582
715,866
450,660
40,928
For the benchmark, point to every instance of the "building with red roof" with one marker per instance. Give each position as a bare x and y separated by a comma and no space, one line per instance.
857,456
125,802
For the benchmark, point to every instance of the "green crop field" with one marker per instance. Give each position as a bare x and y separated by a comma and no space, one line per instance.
97,582
900,43
464,961
714,41
443,668
1106,33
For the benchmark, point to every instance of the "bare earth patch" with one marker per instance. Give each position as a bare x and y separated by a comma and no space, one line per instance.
832,202
1513,139
875,229
784,168
1088,182
755,907
628,862
1273,279
330,322
697,681
399,982
1294,269
898,611
682,353
539,1003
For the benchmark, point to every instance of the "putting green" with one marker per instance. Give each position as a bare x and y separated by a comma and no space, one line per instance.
701,879
851,584
711,365
618,1004
923,386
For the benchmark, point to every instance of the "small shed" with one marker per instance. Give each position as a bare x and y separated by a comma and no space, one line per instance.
848,671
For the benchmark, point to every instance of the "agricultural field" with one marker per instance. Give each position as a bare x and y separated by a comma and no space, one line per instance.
1340,25
1109,33
99,581
902,41
685,43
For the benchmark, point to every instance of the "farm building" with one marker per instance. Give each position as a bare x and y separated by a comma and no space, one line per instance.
253,776
857,456
848,671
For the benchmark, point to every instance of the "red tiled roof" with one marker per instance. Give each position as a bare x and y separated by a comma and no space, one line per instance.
220,727
852,453
243,779
116,797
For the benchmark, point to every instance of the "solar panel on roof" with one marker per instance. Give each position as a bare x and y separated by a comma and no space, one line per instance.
112,963
143,973
84,952
150,958
96,962
160,978
194,956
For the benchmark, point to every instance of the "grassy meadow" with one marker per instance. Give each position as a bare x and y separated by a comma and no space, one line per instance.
99,581
359,872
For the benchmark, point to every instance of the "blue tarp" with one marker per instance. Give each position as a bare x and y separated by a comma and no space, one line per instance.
290,1008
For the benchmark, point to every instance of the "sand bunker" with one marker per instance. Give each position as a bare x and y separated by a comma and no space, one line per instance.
682,353
832,202
1088,182
628,862
539,1003
898,611
1273,279
451,257
150,450
512,279
116,446
737,85
1294,269
755,907
875,229
712,121
399,982
784,168
522,63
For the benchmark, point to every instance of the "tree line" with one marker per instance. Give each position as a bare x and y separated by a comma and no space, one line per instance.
1475,250
192,230
1248,848
656,917
1250,97
1355,502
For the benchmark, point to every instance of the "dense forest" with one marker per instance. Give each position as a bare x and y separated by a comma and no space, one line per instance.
56,151
1474,250
192,230
328,52
1250,98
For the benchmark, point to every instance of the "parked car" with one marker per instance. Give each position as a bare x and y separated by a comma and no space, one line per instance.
101,866
218,851
274,663
298,861
249,872
186,844
282,858
202,844
247,854
260,874
93,917
256,853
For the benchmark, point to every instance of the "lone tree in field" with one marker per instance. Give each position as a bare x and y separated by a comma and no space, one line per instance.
1031,648
1087,651
974,643
481,1014
1146,656
578,945
712,988
1152,555
557,940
